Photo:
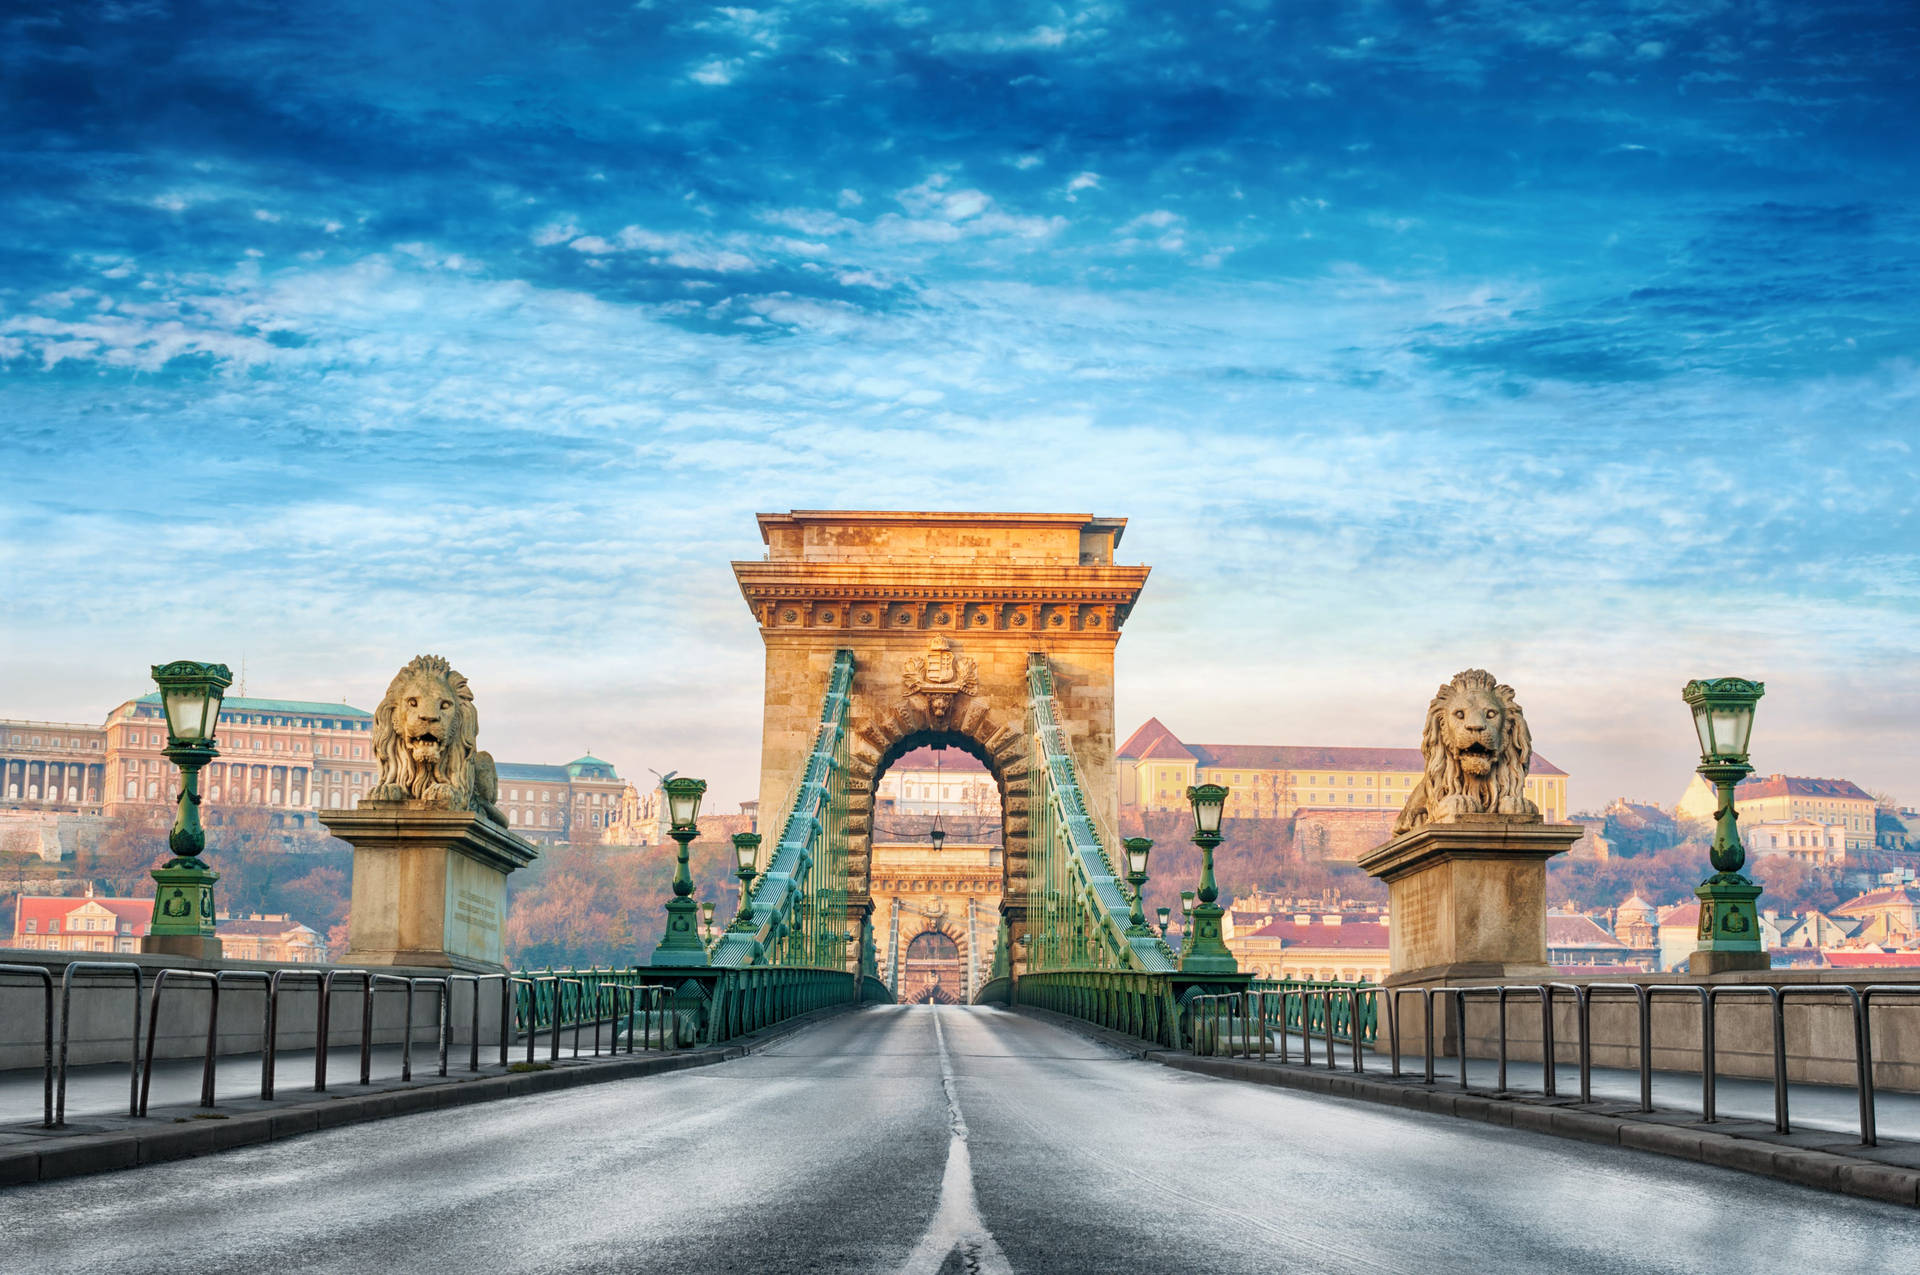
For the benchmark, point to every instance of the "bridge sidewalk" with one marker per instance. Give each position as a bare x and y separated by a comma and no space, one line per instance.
99,1134
1814,1156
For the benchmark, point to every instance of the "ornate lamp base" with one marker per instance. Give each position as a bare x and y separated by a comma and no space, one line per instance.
183,911
1729,926
1208,953
682,945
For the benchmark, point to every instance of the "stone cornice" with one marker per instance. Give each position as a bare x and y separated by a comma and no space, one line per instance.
1004,589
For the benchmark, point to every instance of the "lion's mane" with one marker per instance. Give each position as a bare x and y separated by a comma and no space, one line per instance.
460,776
1447,790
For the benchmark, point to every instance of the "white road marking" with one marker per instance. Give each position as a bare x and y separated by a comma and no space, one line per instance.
956,1222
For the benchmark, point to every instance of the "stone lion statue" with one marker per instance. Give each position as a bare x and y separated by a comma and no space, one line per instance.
423,738
1477,749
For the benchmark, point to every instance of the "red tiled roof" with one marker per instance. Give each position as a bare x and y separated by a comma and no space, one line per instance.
44,909
1622,967
1681,914
1355,934
1891,894
1800,786
1153,739
250,928
1301,757
1573,930
1873,960
957,760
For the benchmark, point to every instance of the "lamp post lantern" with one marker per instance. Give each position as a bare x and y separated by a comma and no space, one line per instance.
746,851
1165,914
1729,933
183,925
1186,921
682,945
1207,952
1137,849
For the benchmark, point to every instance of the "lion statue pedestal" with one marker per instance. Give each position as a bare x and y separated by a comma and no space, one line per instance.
1466,870
1467,900
431,851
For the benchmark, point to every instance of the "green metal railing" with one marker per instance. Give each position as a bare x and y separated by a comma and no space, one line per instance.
1291,1008
1267,1015
796,915
1077,912
786,951
631,1004
1141,1005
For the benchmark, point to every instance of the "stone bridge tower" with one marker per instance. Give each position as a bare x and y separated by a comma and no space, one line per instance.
941,612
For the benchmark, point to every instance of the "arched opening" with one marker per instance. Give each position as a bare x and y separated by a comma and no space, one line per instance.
934,863
932,973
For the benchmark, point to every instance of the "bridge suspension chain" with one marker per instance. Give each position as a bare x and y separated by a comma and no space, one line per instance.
796,916
1077,912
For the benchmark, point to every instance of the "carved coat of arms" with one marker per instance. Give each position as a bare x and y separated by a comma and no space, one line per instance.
940,675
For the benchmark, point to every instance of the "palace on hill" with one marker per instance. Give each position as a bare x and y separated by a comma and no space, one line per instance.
288,759
1279,781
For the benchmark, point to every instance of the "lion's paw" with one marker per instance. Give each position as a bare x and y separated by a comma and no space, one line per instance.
1517,806
1452,806
388,792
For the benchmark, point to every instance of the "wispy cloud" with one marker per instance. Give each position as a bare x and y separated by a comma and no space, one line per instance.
1572,343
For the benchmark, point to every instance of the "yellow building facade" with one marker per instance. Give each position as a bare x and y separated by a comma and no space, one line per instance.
1838,803
1274,781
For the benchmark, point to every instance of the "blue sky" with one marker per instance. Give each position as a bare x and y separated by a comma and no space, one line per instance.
1573,340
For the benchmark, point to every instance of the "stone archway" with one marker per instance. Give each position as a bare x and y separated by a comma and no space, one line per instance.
942,612
932,974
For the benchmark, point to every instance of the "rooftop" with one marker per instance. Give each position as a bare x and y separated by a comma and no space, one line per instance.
1154,740
1571,929
244,704
957,760
1801,786
1358,934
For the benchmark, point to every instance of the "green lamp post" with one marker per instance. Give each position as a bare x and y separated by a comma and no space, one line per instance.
1186,921
190,693
706,921
1729,918
1207,953
1137,849
746,853
1165,915
682,945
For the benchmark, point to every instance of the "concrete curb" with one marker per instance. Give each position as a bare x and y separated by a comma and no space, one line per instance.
100,1144
1830,1167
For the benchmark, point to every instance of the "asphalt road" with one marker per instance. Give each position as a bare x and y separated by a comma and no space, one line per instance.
939,1140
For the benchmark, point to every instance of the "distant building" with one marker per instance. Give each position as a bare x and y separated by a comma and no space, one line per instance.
949,781
1891,913
86,923
574,802
287,758
1339,946
1784,798
1279,780
1575,940
1679,932
275,937
1802,840
1896,829
1637,924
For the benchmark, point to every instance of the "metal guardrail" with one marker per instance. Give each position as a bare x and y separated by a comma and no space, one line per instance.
586,1003
1238,1024
1300,1011
46,1040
